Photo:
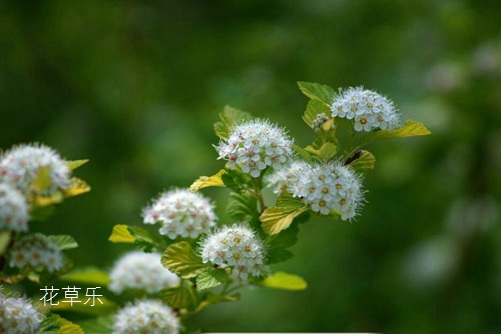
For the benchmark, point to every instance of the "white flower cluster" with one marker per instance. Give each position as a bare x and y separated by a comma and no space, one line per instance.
327,187
37,251
18,316
21,166
146,317
281,178
13,209
235,246
255,145
138,270
368,109
182,213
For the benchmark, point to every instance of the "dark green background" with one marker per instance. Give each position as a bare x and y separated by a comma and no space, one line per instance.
135,86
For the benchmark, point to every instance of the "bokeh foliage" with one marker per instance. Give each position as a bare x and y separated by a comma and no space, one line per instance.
136,86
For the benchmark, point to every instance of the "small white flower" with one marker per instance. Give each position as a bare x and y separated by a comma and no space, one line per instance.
13,209
369,109
281,178
146,317
21,165
255,145
37,251
328,187
143,271
18,316
181,213
235,246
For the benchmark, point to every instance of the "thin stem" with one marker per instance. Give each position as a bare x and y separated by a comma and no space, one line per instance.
259,196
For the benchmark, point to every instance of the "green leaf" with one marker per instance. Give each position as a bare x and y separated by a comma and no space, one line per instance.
74,164
212,298
76,187
314,108
279,217
144,238
277,255
42,201
317,91
98,325
410,129
362,161
231,181
278,244
67,327
284,281
185,296
63,241
121,234
208,181
241,206
84,305
229,117
325,152
42,181
210,279
88,276
182,260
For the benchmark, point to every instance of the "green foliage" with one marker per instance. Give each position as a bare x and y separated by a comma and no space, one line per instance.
63,241
317,91
278,244
410,129
74,164
212,278
313,108
281,216
121,234
241,207
208,181
212,298
87,276
83,305
362,161
185,296
182,260
284,281
55,324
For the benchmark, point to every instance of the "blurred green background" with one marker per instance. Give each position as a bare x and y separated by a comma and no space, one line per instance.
135,86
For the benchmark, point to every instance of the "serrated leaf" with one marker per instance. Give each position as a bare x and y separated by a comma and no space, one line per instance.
284,281
88,276
229,117
410,129
241,206
63,241
84,305
210,279
362,161
182,260
74,164
67,327
121,234
77,187
212,298
325,152
208,181
317,91
313,108
144,238
281,216
230,182
185,296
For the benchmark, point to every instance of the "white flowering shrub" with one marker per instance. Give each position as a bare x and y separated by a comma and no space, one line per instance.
142,271
146,317
324,179
33,179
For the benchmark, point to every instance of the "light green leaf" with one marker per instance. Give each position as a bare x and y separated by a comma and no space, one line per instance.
182,260
121,234
317,91
278,244
67,327
76,187
212,298
42,181
208,181
210,279
42,201
88,276
241,206
63,241
324,152
99,325
362,161
284,281
279,217
229,117
302,152
185,296
4,241
314,108
410,129
144,238
74,164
